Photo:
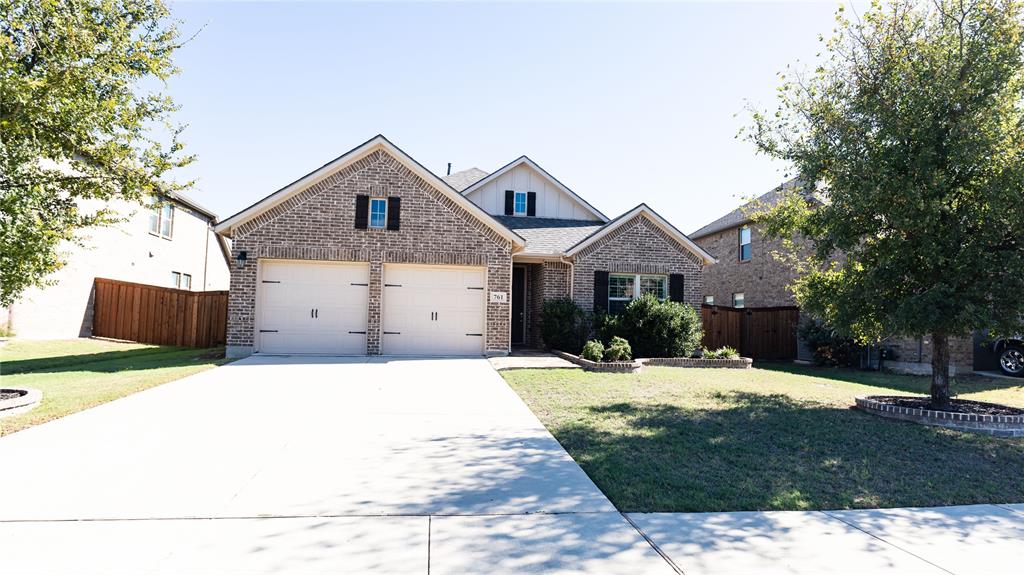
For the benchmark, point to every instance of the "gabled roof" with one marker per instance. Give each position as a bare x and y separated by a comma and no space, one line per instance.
647,212
549,236
378,142
741,215
464,179
527,161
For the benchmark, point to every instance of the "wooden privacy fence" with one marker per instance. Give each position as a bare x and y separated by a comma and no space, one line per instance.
760,333
159,315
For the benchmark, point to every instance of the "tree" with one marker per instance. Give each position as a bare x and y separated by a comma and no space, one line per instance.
82,117
912,129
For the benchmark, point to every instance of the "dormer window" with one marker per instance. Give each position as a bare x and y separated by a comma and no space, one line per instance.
520,204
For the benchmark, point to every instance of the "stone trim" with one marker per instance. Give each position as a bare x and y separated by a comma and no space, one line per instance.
22,403
996,425
312,253
741,363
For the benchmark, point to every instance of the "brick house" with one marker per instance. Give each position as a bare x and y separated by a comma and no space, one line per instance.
747,275
170,245
374,254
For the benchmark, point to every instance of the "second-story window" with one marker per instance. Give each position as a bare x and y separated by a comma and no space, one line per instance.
745,244
161,220
378,213
520,204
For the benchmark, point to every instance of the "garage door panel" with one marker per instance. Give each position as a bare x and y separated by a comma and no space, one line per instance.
292,290
433,310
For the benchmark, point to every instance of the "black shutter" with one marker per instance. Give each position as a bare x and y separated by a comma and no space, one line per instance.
600,292
362,211
510,202
675,287
394,212
531,203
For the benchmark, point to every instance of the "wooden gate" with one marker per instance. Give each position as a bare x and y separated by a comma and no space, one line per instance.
159,315
759,333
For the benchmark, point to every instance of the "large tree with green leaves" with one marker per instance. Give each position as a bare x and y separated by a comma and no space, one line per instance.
83,116
912,128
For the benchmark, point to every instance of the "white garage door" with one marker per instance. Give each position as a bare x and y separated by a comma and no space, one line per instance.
312,307
433,310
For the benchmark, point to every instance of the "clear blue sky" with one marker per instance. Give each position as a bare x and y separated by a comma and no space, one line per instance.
622,102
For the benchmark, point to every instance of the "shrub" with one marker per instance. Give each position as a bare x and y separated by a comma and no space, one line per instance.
618,350
724,352
593,350
827,345
660,328
606,326
563,324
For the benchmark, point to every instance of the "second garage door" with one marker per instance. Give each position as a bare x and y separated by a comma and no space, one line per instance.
433,310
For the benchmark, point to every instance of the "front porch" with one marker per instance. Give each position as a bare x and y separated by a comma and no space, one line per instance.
533,282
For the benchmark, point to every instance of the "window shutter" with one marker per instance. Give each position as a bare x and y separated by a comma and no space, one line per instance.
675,287
362,211
531,203
510,202
600,292
394,212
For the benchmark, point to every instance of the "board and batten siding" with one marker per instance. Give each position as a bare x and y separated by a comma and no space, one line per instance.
551,201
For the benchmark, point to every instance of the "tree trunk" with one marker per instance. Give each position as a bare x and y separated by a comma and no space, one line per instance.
940,372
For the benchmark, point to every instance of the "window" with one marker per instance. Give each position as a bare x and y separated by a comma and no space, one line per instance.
186,281
378,213
624,288
176,279
519,205
709,300
737,299
161,220
745,244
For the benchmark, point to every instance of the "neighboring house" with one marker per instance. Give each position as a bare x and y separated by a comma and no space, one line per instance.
374,254
748,275
172,245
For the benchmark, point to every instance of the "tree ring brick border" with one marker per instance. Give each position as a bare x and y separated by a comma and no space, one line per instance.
28,399
995,425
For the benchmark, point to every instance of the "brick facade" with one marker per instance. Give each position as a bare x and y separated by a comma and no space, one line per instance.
638,246
318,224
763,279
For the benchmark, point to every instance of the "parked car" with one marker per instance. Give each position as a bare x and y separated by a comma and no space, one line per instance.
1011,355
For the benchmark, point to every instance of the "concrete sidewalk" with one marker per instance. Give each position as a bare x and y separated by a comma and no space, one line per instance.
328,465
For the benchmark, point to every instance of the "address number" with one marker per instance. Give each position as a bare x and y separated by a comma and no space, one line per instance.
499,297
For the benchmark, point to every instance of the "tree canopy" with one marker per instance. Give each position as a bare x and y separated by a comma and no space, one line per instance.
912,131
83,116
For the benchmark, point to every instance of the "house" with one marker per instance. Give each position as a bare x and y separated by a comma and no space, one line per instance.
374,254
172,245
748,275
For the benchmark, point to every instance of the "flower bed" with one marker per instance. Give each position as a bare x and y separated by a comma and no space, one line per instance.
976,416
602,366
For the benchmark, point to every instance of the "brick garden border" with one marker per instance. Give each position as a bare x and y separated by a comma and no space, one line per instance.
996,425
22,403
636,365
603,366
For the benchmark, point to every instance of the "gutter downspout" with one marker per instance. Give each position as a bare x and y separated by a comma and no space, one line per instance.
572,274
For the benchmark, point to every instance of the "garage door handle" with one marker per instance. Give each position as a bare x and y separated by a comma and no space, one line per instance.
355,284
392,285
479,288
271,281
362,332
475,334
268,331
392,333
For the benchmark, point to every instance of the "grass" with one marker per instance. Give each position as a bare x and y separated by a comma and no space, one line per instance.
78,374
782,437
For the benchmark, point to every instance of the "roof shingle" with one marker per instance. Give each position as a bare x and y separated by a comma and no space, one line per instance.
464,179
549,235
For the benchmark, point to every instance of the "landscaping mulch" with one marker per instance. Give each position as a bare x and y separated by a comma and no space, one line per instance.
956,405
10,394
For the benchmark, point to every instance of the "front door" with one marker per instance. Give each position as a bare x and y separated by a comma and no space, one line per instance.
518,305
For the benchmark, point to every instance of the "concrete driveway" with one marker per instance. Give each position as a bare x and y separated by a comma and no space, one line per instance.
309,465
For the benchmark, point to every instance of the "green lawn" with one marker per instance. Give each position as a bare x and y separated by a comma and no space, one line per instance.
785,437
77,374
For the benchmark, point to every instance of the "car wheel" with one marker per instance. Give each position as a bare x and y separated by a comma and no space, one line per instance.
1011,361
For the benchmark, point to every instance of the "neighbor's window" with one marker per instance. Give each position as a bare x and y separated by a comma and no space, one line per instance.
378,213
520,204
745,244
186,281
624,288
161,220
709,299
737,299
176,279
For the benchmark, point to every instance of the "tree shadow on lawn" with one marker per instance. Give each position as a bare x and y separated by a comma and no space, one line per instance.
766,452
111,361
968,383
